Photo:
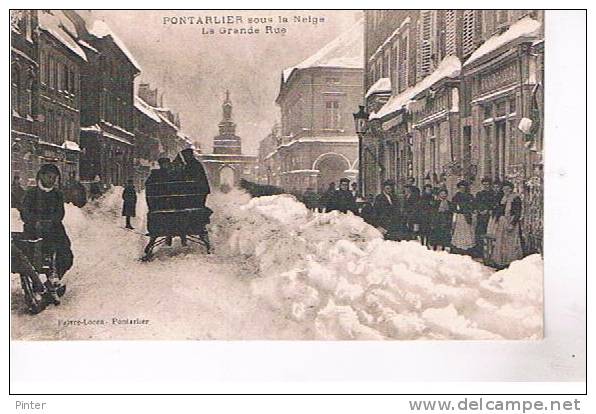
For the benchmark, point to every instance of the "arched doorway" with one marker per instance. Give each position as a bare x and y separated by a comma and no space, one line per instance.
226,178
331,167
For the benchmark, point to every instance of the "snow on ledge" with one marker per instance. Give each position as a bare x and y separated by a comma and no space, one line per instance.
525,27
71,145
450,67
382,85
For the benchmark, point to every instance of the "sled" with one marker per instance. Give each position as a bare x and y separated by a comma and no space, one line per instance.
176,209
43,261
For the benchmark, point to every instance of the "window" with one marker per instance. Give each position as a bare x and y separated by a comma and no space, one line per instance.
14,88
488,23
332,81
28,25
51,72
333,117
387,63
27,97
468,33
404,55
426,43
512,105
502,17
488,111
450,32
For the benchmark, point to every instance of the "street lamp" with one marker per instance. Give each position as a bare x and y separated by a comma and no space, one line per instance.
361,123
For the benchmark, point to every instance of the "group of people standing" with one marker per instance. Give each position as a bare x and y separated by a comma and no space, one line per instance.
486,224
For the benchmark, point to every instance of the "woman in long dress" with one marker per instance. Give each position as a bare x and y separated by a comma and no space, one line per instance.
508,247
464,237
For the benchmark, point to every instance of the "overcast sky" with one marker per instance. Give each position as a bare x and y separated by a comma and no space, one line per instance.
195,69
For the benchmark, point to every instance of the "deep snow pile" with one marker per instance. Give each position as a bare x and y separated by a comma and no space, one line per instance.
335,273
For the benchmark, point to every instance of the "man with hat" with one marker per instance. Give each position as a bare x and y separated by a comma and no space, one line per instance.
387,212
342,199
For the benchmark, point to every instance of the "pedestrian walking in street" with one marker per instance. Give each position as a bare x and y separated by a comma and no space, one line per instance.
441,222
464,237
16,193
342,199
508,243
42,213
425,213
129,205
388,214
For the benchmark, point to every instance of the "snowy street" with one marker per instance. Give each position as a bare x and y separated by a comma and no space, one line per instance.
278,271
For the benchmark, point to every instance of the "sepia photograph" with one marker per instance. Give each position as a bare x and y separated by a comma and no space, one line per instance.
277,175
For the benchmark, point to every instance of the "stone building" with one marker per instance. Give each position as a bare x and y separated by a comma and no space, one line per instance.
265,160
107,137
24,77
226,165
46,63
147,144
61,63
465,101
318,144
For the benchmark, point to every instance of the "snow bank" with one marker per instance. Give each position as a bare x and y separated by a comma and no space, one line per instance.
336,274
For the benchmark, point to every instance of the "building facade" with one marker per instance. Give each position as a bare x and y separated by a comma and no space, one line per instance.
61,63
107,137
465,101
318,144
24,77
226,165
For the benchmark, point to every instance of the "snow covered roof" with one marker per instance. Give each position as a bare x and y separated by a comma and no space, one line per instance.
99,28
146,109
164,117
526,27
59,26
450,67
382,85
345,51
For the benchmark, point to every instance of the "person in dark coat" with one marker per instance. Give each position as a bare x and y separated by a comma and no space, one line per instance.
411,200
342,200
195,171
442,217
425,213
162,174
16,193
485,201
368,211
387,213
327,195
42,213
129,205
310,199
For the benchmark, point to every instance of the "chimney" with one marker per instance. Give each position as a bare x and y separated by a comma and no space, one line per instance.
147,94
